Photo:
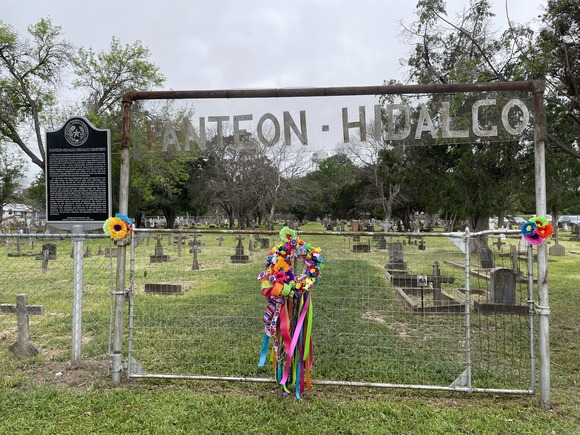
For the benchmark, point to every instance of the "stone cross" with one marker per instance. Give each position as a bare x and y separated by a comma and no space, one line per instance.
180,238
437,279
158,247
45,256
23,347
194,249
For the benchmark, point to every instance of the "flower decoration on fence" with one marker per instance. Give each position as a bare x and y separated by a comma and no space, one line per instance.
288,316
118,227
536,229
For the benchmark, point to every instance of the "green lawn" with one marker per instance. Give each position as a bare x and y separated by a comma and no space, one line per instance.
362,334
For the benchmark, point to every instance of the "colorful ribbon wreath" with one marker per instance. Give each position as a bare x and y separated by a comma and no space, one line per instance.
118,227
288,316
536,229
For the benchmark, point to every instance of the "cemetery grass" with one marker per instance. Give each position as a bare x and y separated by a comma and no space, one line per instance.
46,395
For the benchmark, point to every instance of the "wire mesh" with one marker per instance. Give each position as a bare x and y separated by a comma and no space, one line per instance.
196,309
41,266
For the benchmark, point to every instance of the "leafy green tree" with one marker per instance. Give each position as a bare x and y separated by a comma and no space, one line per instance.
35,193
241,178
553,55
11,175
333,184
105,76
161,176
477,178
31,70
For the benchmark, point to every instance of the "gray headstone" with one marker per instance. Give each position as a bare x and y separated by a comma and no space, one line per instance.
239,256
51,248
557,250
502,285
485,257
396,260
382,242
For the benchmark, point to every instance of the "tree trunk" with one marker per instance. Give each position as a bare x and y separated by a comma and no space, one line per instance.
170,216
554,211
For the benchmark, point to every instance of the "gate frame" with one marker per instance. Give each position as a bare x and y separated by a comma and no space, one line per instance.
536,87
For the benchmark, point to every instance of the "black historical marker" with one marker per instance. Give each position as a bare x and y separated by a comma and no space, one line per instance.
78,175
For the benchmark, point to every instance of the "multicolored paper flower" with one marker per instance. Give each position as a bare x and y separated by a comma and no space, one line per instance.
536,229
528,228
280,258
118,227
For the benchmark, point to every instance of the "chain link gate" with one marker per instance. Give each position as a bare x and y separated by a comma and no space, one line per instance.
195,313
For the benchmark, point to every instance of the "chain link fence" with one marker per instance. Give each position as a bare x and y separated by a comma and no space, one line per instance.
398,310
41,267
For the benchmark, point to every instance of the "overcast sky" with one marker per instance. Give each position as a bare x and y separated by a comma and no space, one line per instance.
218,44
231,44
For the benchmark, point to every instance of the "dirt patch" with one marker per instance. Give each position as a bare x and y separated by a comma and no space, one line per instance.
400,329
374,317
90,374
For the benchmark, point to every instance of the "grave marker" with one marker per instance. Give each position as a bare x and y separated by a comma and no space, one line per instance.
159,256
239,256
437,279
557,250
180,238
502,285
51,248
396,260
515,262
110,252
44,256
195,250
382,243
23,347
485,257
163,288
421,245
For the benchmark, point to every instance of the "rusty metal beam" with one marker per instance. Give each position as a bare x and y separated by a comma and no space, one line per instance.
531,86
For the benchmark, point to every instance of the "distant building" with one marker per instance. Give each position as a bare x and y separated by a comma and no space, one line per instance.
19,213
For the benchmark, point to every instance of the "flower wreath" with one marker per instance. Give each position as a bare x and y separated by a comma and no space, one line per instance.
536,229
118,227
288,316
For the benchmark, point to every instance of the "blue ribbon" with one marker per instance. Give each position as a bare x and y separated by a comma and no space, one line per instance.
264,351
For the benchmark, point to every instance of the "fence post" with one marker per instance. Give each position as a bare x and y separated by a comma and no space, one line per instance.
116,360
78,248
543,308
468,308
531,304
